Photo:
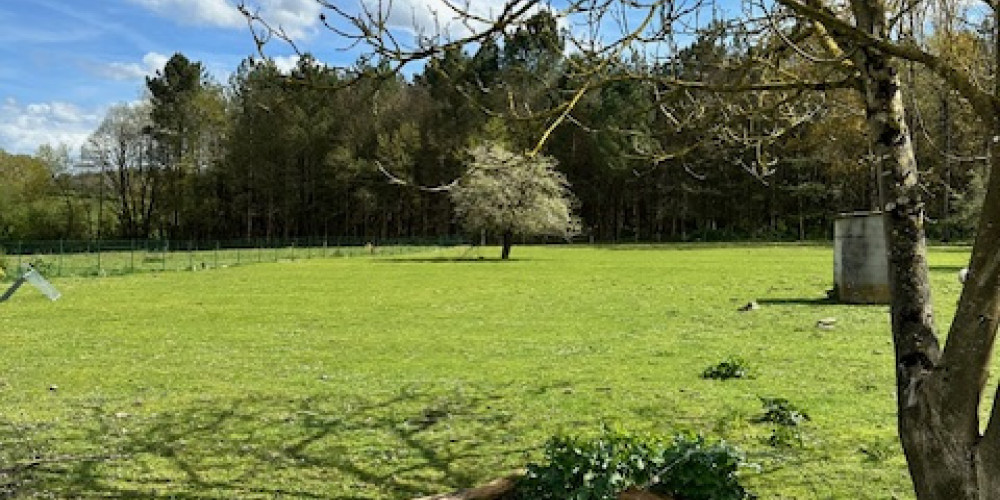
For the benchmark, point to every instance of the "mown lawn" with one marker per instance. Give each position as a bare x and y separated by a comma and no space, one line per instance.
393,377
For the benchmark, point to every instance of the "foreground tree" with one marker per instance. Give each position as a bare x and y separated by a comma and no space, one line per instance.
514,195
939,391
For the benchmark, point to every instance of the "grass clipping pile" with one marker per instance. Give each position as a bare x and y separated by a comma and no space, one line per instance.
620,466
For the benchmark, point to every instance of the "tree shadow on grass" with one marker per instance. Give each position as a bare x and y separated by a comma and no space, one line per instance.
951,269
814,302
799,301
404,446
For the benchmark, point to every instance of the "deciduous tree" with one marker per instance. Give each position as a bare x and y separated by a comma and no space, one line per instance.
512,195
121,147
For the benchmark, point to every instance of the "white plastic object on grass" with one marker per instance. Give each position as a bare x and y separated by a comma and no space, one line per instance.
36,280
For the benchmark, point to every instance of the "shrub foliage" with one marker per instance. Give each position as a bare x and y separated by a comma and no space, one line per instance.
686,467
732,367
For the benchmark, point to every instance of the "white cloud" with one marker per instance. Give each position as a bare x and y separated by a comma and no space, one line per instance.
298,18
151,63
24,127
210,12
436,17
286,64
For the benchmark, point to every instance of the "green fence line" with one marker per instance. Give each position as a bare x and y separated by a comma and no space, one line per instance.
104,258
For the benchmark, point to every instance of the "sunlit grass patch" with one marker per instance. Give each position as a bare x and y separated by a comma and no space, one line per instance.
394,377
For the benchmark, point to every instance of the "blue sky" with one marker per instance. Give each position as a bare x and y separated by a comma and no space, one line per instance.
64,62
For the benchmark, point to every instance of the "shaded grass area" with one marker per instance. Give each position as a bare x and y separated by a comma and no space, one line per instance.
260,447
393,377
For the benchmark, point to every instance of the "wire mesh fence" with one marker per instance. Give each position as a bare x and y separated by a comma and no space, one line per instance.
113,257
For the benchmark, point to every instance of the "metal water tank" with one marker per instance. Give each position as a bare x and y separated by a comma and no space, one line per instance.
860,260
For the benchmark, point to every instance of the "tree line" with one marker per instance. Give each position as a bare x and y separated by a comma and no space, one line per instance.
311,152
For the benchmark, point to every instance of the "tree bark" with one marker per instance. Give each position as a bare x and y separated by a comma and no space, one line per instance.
938,395
948,456
507,242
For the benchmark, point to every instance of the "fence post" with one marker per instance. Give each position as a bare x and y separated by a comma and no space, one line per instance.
20,250
190,256
61,251
131,255
163,261
216,254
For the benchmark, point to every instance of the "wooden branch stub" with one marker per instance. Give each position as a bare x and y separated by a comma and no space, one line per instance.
490,491
500,488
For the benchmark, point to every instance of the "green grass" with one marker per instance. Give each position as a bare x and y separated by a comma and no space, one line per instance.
117,258
394,377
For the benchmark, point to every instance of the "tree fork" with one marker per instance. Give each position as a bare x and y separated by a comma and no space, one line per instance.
938,395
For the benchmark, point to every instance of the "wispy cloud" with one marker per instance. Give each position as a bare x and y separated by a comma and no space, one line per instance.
206,12
46,35
90,21
151,63
24,126
298,18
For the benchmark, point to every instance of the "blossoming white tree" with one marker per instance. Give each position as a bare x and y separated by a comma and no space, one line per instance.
514,194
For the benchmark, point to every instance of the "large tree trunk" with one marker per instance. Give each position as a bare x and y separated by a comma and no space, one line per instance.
938,395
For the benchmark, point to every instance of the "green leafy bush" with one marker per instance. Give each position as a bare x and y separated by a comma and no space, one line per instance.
786,418
685,467
782,412
732,367
784,437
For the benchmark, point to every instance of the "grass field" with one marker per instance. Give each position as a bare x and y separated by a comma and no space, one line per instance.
117,258
392,377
